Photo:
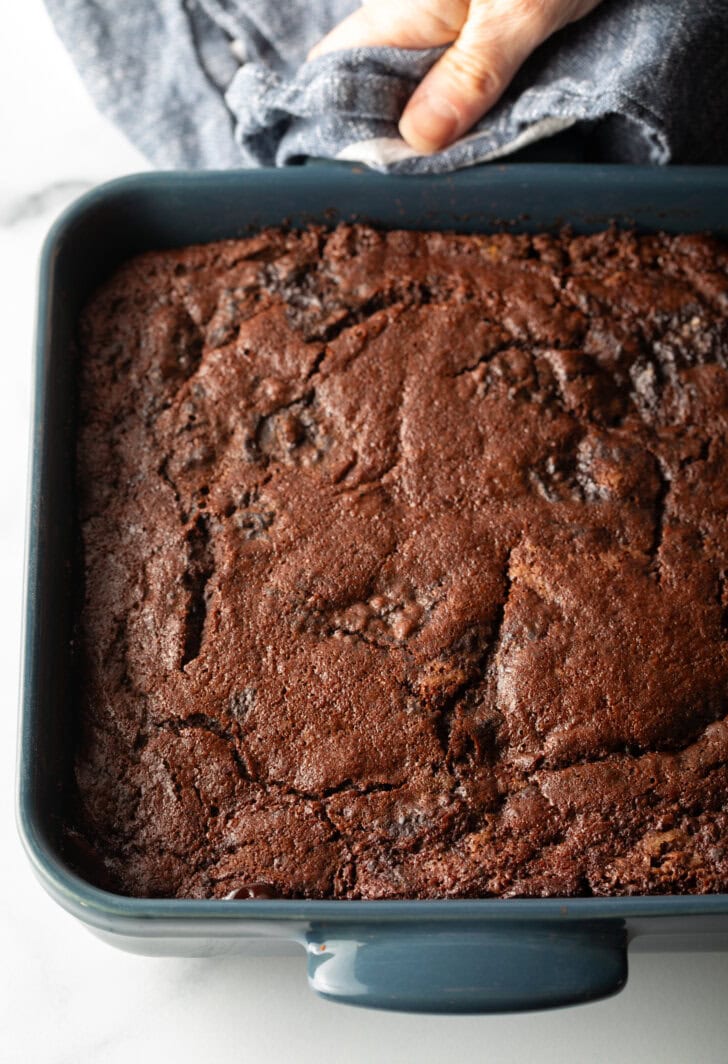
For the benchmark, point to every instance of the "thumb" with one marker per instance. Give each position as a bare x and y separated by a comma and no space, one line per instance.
497,37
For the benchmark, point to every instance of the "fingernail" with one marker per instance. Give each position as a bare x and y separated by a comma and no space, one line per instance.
429,123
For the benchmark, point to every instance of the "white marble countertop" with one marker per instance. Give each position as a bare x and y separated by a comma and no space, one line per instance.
66,997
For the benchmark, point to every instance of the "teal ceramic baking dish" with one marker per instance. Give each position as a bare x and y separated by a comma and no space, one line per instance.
485,955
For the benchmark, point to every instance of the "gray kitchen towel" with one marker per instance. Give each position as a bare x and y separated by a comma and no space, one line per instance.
225,83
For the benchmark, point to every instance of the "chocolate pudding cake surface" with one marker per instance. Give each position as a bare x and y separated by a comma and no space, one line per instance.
404,568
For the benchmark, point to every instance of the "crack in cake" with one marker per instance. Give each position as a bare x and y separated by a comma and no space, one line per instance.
404,567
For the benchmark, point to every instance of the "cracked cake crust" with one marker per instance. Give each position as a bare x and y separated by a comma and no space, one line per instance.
405,567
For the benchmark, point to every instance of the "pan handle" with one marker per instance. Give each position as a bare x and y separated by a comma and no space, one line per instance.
451,966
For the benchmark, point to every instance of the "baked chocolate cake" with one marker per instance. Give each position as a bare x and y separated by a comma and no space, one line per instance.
405,568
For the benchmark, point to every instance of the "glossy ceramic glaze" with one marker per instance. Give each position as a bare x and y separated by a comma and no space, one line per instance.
450,956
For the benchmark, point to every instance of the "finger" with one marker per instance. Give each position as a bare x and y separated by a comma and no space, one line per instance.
498,36
397,24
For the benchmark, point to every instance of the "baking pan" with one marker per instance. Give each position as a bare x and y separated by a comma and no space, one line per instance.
485,955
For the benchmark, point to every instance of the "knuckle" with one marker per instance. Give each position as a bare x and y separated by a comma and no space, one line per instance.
480,72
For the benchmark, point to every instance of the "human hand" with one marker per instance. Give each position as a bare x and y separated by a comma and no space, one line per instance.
489,40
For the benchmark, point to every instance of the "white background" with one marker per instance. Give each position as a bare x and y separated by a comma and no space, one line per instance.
65,997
